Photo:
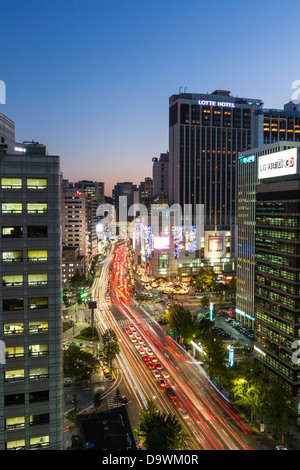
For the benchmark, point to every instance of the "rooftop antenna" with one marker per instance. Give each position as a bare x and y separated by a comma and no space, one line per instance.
184,89
179,89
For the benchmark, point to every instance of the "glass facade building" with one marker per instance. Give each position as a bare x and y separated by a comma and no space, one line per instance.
31,377
277,283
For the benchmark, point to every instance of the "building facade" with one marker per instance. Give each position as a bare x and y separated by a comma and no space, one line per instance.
160,175
31,380
74,221
206,134
246,216
277,268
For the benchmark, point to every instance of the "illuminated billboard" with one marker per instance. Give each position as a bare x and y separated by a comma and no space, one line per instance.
278,164
161,243
215,245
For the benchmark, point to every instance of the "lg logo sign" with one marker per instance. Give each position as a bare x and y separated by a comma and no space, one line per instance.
2,92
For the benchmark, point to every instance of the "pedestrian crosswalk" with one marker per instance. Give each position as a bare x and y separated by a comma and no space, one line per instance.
110,401
125,323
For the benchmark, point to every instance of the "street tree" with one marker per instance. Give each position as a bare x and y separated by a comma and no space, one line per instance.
215,354
111,346
159,431
78,363
97,401
72,415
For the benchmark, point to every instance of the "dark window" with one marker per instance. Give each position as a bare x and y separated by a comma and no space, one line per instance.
38,302
184,113
12,304
173,115
39,419
37,231
14,399
39,396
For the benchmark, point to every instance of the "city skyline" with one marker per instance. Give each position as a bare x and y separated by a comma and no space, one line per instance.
93,83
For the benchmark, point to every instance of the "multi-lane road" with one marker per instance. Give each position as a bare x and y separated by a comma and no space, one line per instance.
182,386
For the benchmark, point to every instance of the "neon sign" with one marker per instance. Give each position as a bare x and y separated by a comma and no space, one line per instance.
247,159
223,104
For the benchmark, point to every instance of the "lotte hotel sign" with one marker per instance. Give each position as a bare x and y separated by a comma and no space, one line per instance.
223,104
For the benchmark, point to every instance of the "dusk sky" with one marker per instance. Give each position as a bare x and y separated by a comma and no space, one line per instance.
92,79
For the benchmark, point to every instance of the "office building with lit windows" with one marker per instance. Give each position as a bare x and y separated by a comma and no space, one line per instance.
248,183
277,266
206,134
74,221
31,379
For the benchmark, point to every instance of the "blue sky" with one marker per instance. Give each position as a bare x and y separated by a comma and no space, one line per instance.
91,79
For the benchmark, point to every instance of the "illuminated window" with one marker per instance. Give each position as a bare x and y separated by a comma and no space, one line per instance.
37,279
11,208
37,255
15,445
11,183
42,441
15,423
38,373
36,207
13,328
12,256
14,351
36,183
12,232
12,281
38,326
14,375
38,349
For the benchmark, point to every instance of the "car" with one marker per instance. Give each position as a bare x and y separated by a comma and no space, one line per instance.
165,374
170,392
150,353
280,447
150,365
154,360
146,358
141,351
162,383
156,373
124,400
183,413
158,366
133,339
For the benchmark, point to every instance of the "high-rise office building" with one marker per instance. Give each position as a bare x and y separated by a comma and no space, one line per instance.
94,188
7,133
248,183
146,192
74,220
206,133
277,267
160,175
31,380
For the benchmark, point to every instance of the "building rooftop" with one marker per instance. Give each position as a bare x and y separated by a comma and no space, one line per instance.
109,430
